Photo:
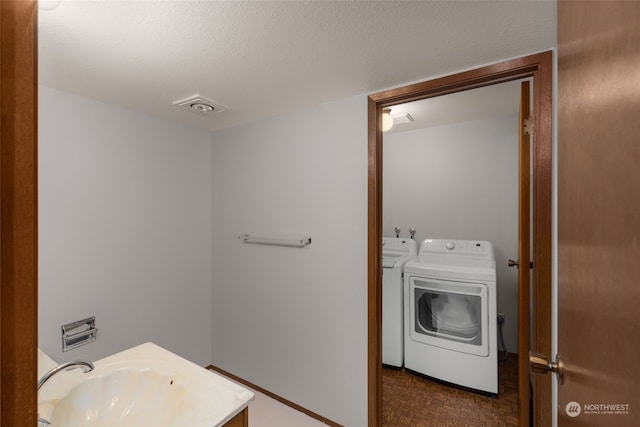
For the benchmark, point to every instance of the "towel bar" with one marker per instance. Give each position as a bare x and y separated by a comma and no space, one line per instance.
295,241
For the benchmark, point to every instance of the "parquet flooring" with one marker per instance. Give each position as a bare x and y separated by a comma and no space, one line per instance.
409,400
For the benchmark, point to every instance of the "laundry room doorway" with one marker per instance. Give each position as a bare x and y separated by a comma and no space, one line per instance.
422,197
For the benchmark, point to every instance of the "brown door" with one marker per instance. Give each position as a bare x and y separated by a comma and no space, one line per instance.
18,213
599,213
524,194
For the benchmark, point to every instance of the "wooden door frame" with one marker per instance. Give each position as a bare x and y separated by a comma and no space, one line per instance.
18,213
538,67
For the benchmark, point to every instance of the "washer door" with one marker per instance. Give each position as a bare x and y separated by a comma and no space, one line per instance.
451,315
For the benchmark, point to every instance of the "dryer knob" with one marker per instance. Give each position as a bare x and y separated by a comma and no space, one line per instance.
450,245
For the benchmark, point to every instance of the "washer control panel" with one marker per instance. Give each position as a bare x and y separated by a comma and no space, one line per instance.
394,248
399,244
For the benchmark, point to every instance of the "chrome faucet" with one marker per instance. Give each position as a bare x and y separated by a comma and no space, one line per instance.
86,367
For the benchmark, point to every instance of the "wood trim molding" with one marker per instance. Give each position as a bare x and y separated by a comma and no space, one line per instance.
18,213
539,68
274,396
374,266
524,249
542,235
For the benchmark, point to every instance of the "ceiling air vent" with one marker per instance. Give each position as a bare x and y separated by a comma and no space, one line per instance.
200,104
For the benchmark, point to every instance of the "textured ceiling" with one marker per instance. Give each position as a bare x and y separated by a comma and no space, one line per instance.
262,58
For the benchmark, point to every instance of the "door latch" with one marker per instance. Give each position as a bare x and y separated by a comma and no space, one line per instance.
540,364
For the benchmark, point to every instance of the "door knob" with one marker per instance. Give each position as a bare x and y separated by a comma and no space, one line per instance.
540,364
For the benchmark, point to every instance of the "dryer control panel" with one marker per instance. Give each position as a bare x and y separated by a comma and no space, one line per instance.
473,248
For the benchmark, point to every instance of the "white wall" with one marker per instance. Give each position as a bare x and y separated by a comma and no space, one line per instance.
294,321
459,182
124,215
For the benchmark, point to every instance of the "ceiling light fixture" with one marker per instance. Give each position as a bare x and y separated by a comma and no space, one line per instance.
387,121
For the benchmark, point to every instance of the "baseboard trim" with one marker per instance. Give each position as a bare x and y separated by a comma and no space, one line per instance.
274,396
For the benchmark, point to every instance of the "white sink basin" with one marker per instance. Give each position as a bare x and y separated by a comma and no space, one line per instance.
126,397
143,386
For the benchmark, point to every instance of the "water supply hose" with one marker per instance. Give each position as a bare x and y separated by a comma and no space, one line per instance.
504,347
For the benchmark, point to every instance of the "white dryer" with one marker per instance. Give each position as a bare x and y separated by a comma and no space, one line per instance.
395,253
450,313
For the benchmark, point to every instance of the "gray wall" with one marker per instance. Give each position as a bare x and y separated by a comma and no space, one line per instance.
125,220
459,182
294,320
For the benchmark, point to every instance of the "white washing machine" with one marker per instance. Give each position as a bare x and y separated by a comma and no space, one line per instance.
395,253
450,313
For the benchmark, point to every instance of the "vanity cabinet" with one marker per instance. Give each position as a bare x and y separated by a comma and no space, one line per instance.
240,420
